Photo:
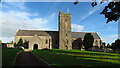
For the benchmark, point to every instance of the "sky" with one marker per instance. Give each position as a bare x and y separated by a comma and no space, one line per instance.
44,16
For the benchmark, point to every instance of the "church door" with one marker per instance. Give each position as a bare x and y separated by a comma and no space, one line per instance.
66,47
35,46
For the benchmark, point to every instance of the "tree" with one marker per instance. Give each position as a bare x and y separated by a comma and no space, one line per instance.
11,42
88,41
26,44
77,44
0,41
20,43
15,44
116,45
113,46
108,45
111,11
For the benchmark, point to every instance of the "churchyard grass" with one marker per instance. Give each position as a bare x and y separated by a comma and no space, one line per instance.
57,57
8,56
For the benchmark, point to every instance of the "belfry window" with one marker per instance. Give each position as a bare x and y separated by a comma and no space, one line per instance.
65,20
66,34
46,42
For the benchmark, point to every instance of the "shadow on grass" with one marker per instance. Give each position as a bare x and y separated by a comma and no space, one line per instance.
96,57
60,60
80,52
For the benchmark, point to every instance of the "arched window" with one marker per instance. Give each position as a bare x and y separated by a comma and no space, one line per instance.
49,43
46,42
96,43
100,42
67,41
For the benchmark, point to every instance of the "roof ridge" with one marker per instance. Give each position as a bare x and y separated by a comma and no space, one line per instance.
55,31
52,33
84,32
34,30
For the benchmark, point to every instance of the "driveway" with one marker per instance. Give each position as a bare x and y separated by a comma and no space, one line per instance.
27,59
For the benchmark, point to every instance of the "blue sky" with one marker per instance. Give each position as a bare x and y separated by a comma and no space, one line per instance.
44,16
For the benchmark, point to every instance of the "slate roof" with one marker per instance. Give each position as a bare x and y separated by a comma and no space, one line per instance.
82,34
53,33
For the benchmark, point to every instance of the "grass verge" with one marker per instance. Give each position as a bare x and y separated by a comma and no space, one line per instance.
57,57
8,56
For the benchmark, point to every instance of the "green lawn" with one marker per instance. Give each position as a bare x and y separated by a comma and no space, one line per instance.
57,57
8,56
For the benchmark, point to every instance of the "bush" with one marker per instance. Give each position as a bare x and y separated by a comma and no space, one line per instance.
45,49
88,41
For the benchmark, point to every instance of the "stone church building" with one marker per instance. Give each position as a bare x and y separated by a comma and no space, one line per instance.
62,39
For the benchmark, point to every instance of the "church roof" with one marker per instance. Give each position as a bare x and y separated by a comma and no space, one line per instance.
53,33
38,32
82,34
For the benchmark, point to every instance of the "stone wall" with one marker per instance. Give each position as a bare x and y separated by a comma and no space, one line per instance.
97,42
41,41
65,31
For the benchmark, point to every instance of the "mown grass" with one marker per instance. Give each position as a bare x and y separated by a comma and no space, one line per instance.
57,57
8,56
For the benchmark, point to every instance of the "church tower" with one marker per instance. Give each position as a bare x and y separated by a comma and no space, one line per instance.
65,31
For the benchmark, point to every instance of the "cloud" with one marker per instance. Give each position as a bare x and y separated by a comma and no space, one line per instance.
110,39
14,5
93,10
16,0
12,20
7,39
52,17
20,5
76,27
18,14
